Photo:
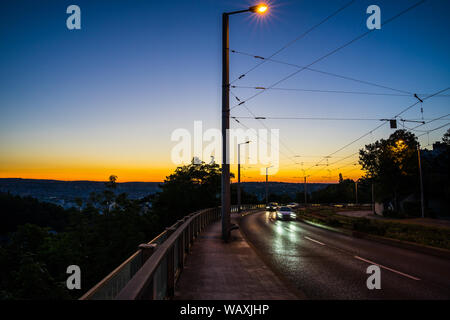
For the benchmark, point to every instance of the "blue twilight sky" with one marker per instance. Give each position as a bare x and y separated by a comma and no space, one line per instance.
82,104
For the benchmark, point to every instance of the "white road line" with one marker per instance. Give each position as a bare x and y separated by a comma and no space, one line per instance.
381,266
315,241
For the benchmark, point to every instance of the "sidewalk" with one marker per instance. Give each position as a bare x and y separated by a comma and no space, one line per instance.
215,270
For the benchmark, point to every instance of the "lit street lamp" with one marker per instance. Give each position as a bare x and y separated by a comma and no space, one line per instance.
226,224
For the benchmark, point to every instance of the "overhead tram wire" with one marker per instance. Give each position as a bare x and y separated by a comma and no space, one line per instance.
406,93
440,127
281,141
323,57
361,137
377,127
257,134
337,168
336,91
332,52
432,120
428,97
296,39
350,143
311,118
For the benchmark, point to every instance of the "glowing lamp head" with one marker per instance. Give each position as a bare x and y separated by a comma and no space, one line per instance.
260,8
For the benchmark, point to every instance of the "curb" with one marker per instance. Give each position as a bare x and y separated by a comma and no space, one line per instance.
434,251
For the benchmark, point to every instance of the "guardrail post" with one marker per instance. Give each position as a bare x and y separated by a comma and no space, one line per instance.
170,267
180,253
203,221
181,245
147,250
196,226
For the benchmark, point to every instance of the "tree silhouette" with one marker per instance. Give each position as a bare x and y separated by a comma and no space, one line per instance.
393,166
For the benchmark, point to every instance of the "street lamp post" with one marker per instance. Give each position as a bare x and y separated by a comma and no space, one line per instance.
226,115
421,183
304,190
267,185
373,201
239,176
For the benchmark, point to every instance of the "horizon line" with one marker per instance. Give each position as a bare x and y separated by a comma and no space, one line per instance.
4,178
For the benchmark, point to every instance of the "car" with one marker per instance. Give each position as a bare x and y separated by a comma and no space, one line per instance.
272,206
292,205
285,213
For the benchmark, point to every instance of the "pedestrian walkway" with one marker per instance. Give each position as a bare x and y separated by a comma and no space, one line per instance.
215,270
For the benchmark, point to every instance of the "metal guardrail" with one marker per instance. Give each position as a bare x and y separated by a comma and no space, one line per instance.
152,271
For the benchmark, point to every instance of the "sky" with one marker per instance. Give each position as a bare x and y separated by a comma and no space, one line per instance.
105,99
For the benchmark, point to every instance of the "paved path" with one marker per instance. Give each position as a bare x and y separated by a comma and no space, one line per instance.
230,271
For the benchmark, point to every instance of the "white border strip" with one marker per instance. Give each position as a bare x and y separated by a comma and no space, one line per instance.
315,241
381,266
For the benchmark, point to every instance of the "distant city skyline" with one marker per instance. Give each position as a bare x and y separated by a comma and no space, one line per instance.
85,104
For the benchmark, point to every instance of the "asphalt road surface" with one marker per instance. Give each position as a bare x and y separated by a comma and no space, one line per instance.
327,265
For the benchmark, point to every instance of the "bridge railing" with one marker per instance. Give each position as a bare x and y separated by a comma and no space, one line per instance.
152,271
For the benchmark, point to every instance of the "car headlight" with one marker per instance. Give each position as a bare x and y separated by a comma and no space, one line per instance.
293,215
279,214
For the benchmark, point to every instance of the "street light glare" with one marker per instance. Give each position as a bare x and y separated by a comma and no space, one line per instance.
260,8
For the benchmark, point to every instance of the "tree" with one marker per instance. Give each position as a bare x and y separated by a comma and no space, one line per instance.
342,192
393,166
446,138
191,187
111,184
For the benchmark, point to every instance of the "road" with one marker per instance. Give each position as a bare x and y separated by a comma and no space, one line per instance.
323,264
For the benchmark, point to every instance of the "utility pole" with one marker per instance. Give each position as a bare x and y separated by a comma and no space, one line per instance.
421,183
267,188
304,189
356,191
225,178
267,185
373,201
239,176
239,179
225,126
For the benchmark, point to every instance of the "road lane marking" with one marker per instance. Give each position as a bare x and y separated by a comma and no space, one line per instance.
315,241
387,268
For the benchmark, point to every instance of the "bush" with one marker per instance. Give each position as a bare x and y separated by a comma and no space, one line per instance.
368,226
